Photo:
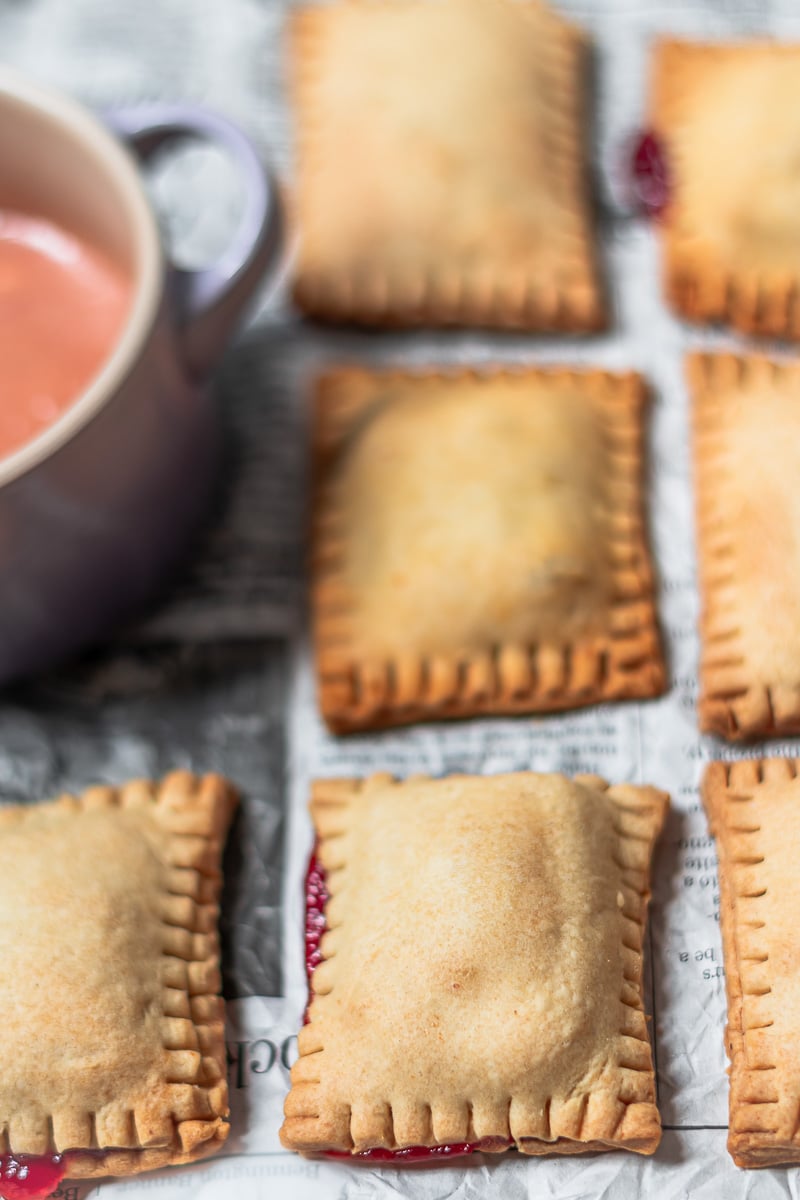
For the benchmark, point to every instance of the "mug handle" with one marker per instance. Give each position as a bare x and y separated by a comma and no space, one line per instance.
210,300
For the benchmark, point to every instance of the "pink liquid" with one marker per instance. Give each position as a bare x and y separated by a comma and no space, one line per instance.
62,307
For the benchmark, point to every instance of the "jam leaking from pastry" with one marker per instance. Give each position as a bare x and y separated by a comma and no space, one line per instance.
409,1154
651,185
29,1177
316,899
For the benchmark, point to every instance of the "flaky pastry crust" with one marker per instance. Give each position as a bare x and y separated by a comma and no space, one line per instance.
479,544
481,974
728,118
112,1037
753,809
746,422
442,170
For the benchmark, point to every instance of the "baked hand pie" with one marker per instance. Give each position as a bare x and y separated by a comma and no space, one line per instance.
754,811
728,117
112,1033
442,167
479,544
478,985
747,458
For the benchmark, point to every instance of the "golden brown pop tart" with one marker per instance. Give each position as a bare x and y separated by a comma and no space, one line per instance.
479,544
442,168
111,1043
747,459
728,117
478,983
754,812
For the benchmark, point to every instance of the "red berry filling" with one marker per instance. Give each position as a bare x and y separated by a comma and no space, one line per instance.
29,1177
316,899
409,1154
651,184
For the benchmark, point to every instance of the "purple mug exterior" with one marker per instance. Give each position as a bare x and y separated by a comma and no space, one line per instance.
209,301
97,507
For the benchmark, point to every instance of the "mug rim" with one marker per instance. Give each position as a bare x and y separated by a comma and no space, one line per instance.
79,123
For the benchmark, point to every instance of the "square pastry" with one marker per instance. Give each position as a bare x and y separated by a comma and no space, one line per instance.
479,982
442,167
754,812
479,544
112,1033
728,117
747,458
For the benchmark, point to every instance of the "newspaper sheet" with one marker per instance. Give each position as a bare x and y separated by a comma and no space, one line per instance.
246,584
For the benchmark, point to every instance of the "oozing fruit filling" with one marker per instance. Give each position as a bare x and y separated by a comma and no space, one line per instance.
316,899
29,1177
650,176
410,1154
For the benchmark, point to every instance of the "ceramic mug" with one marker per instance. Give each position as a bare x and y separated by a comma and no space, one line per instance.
96,507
